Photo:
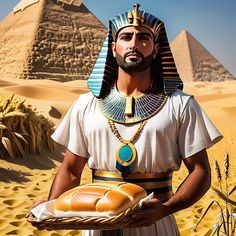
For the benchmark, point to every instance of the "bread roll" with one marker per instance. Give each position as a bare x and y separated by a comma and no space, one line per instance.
98,199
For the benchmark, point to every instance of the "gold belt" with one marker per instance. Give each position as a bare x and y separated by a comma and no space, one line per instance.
158,183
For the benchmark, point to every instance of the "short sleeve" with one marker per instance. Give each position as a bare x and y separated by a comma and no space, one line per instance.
70,133
196,131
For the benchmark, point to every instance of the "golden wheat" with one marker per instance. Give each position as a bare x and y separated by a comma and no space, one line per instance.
226,222
22,129
218,173
226,165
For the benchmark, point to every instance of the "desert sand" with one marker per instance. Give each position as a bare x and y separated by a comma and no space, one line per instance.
24,181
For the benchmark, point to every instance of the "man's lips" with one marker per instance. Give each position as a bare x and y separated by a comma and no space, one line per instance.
133,55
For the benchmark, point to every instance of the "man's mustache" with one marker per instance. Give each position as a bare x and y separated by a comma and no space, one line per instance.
131,52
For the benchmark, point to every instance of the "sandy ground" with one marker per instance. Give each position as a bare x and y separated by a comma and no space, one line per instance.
24,181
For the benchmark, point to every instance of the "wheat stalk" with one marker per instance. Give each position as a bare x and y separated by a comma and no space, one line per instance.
227,219
218,173
226,170
22,129
224,196
226,165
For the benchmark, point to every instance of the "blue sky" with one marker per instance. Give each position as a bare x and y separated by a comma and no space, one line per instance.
211,22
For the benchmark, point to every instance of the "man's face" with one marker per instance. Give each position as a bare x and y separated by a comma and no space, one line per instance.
134,49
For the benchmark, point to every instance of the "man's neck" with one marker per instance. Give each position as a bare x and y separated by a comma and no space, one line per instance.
133,84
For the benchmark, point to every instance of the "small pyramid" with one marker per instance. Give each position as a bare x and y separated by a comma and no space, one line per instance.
49,39
194,62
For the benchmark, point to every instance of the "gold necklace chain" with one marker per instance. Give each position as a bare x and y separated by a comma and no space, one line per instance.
117,134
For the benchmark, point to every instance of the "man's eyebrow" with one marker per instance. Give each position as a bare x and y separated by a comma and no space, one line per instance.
126,33
145,34
138,33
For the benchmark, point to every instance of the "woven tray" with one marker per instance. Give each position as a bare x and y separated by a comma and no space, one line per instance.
111,223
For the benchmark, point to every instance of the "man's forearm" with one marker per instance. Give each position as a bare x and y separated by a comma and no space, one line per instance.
62,182
190,191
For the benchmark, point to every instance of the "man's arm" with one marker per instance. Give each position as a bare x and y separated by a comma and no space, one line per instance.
68,175
190,191
195,185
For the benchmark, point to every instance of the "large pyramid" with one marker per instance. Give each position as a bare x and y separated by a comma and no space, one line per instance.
60,40
194,62
49,39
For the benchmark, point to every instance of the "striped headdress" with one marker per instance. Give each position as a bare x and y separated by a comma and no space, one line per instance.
163,67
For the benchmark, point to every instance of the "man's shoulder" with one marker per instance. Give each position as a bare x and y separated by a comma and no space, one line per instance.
179,100
86,96
84,100
180,94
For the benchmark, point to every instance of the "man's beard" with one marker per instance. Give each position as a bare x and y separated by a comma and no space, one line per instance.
134,65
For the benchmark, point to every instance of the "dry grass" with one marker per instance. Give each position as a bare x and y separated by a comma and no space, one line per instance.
226,222
22,129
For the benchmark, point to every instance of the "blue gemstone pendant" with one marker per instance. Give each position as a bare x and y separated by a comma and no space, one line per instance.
125,153
125,156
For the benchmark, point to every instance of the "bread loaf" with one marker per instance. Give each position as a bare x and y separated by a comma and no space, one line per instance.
98,199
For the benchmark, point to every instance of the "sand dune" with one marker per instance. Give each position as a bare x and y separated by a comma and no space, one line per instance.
209,97
36,93
24,181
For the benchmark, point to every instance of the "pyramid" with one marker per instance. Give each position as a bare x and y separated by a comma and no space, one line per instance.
49,39
194,62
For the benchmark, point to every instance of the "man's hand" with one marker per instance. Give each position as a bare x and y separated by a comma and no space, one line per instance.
190,191
33,206
151,211
29,214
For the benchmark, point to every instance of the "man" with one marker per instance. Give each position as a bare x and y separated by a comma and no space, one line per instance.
137,125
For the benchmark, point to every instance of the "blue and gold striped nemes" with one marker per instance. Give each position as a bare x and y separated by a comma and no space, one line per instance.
158,183
163,68
136,18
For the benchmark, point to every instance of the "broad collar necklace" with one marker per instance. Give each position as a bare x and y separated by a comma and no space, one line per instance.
129,110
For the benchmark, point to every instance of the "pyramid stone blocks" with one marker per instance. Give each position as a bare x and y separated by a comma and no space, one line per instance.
63,45
60,40
194,62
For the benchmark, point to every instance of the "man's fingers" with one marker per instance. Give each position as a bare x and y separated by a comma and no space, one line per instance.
150,202
33,206
28,214
37,203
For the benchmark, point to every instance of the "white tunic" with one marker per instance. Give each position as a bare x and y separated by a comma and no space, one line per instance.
179,130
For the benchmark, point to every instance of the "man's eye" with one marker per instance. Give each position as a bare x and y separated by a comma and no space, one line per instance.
126,37
144,37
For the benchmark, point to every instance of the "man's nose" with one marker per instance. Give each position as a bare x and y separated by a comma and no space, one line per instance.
134,43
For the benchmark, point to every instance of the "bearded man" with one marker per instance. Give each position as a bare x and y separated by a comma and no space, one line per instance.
136,125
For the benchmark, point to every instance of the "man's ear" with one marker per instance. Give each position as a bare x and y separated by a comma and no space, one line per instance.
113,47
155,50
